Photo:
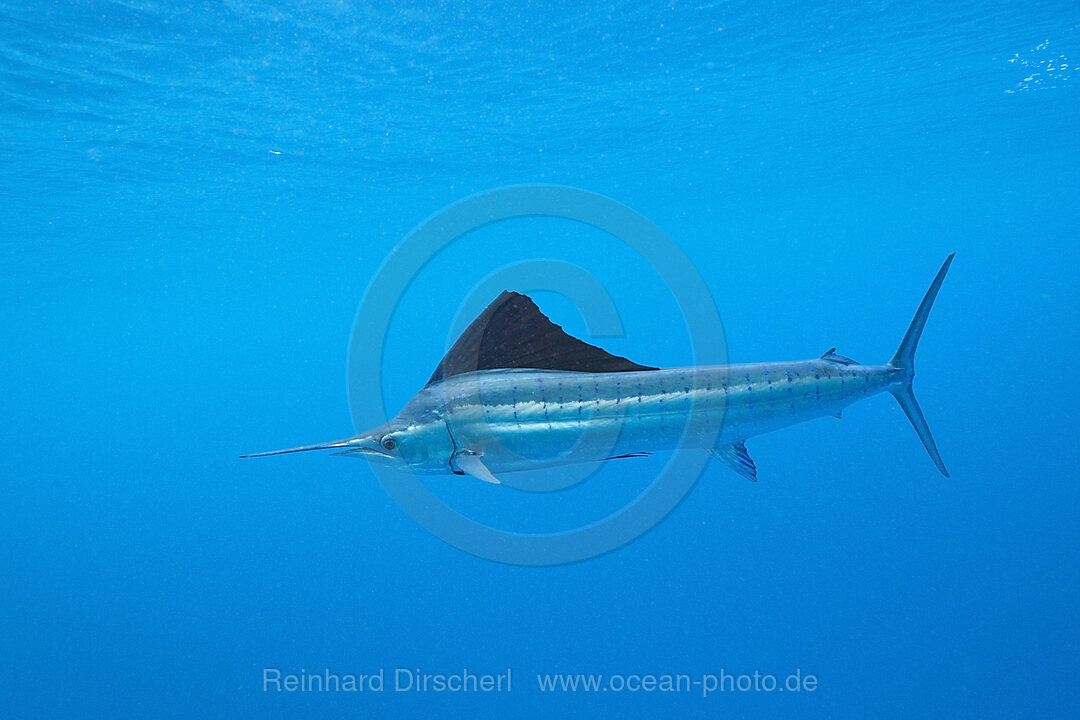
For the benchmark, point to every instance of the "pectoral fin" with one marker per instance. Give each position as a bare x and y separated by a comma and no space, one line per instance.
474,465
629,455
736,458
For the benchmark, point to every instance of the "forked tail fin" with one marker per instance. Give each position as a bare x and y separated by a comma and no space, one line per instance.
904,359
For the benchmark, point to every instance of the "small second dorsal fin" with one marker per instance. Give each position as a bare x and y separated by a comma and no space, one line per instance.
832,356
511,332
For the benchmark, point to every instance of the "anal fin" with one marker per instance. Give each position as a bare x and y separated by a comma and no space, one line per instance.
737,458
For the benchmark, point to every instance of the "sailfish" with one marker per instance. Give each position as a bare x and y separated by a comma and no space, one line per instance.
516,392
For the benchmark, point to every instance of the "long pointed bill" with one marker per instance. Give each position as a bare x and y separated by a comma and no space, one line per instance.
321,446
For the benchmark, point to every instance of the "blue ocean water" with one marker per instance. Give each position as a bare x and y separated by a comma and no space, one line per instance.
196,198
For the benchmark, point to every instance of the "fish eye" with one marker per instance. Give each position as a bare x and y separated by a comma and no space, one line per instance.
388,442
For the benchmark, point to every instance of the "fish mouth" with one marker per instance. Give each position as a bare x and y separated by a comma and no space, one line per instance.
366,445
364,450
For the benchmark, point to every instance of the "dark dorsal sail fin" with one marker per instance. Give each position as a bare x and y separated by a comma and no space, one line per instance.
513,333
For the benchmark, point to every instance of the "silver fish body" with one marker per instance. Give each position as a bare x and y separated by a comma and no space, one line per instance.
529,419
